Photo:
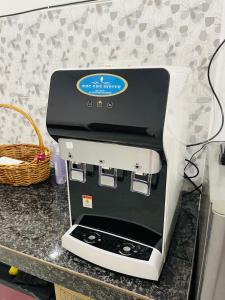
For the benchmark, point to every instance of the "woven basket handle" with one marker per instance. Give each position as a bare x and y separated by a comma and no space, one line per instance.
28,117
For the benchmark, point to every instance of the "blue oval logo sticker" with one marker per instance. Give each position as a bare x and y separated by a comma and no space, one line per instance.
102,85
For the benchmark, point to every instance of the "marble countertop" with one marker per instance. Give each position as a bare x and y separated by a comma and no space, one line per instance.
32,221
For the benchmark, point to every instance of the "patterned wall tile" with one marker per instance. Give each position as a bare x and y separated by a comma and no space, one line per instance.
116,33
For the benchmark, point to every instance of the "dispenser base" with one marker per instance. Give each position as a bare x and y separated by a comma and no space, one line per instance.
114,252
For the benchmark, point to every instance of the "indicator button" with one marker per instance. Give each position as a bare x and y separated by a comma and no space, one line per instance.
110,104
99,103
89,103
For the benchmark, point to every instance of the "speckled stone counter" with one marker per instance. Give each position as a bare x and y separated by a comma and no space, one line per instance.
32,221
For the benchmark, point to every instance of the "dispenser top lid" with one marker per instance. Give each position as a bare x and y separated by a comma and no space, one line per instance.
117,105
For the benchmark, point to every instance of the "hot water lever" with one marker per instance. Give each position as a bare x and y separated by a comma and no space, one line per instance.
141,184
78,172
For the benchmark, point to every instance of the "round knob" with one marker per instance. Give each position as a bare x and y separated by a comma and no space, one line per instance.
92,237
126,249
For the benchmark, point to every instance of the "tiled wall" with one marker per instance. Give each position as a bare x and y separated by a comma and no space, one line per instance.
118,33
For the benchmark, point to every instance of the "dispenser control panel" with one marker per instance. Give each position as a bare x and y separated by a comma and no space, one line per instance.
112,243
122,101
100,87
98,103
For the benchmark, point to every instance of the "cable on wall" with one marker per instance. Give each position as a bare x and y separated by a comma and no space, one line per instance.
189,178
201,148
194,165
49,7
209,140
190,162
216,96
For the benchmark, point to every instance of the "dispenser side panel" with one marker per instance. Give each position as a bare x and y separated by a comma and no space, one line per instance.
174,144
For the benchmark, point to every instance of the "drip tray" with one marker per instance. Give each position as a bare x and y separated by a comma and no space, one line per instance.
123,229
112,243
114,252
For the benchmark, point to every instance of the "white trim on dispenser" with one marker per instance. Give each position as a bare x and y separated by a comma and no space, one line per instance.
108,155
68,192
174,144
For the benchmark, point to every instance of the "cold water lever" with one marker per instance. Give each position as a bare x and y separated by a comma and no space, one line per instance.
107,177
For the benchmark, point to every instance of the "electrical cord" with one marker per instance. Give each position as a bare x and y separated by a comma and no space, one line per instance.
189,178
196,152
48,7
194,165
209,140
216,96
190,162
198,188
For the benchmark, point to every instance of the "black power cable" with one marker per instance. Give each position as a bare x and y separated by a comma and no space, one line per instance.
194,165
197,188
209,140
203,146
49,7
216,96
190,162
189,178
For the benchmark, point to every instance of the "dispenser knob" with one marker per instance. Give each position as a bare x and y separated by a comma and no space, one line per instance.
126,249
92,237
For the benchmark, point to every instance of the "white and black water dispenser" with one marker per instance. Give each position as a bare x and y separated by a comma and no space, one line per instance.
122,135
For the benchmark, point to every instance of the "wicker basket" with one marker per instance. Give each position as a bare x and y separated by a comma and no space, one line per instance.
36,165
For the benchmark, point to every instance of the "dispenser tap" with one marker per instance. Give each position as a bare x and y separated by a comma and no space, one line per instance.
107,177
141,184
78,172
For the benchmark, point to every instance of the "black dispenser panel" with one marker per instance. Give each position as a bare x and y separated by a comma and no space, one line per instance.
134,116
